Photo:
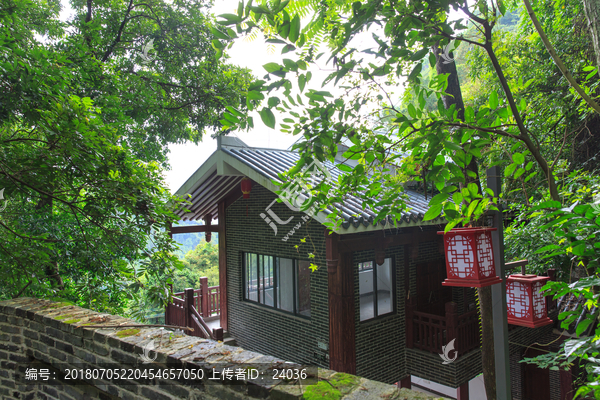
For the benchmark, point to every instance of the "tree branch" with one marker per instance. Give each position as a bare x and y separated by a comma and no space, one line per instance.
563,69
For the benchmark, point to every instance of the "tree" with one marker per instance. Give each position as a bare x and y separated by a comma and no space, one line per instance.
87,108
437,146
202,261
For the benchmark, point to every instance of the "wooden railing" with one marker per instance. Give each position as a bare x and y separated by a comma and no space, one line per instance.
430,332
184,311
209,308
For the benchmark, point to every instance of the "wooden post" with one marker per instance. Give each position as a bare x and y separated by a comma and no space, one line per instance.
331,251
405,382
410,308
223,265
204,297
462,393
342,339
566,384
452,324
189,301
218,333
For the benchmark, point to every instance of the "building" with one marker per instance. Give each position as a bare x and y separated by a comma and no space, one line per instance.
374,307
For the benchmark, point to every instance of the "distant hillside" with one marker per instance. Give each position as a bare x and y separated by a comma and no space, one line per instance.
189,241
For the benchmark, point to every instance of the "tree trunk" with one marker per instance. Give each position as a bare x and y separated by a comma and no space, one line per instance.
592,13
454,97
485,294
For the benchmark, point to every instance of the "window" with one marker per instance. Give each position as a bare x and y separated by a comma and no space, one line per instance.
376,289
281,283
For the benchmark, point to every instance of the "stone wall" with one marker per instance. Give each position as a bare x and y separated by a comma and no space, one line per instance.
264,329
53,337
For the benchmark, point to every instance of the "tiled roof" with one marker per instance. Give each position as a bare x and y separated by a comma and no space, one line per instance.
263,166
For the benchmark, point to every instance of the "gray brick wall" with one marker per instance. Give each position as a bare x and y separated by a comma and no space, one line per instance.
380,342
42,334
259,328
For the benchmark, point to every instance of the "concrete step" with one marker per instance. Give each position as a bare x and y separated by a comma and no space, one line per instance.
229,341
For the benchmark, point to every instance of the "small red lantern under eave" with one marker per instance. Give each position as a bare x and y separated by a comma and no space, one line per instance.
469,257
246,186
526,304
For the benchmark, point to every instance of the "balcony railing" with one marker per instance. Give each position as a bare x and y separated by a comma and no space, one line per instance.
190,307
430,332
209,308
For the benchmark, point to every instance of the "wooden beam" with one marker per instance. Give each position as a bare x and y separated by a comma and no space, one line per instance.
232,196
207,220
194,229
222,265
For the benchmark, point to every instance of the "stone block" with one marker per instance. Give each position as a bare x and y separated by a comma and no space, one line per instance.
67,348
59,355
95,347
47,340
55,333
31,334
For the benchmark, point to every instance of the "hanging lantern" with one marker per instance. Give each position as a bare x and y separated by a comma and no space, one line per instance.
246,186
469,257
526,304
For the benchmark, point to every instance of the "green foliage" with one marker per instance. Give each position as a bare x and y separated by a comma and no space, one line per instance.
203,261
87,108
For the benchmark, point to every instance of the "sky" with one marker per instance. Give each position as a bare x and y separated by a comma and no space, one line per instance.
185,159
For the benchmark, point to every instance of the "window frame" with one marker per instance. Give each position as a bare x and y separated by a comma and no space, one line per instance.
374,264
260,268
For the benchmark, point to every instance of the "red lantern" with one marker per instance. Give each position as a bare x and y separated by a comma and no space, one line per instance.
246,185
469,257
526,304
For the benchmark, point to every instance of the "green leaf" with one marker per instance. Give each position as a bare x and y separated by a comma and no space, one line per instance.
457,198
518,158
415,72
272,67
433,212
301,82
473,189
439,198
218,34
582,326
294,29
255,95
419,55
231,18
452,146
217,44
493,100
267,117
510,170
273,102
